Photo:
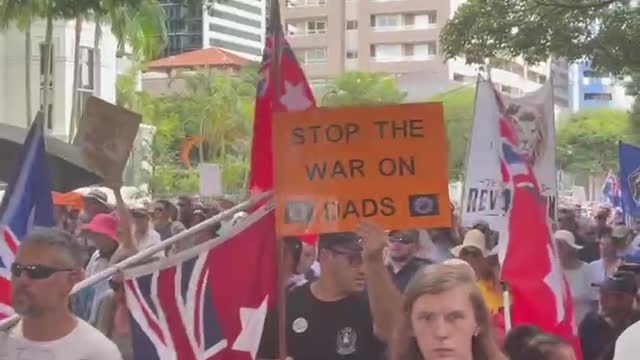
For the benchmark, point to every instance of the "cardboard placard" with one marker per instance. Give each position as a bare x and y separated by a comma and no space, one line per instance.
105,134
335,167
210,180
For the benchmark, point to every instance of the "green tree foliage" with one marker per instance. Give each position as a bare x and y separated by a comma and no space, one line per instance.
587,140
605,31
458,116
362,88
217,106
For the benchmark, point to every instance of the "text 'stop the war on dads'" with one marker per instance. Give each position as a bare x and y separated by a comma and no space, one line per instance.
335,167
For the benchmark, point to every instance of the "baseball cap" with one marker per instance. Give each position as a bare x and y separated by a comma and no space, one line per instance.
567,237
99,196
620,282
140,211
104,224
620,232
345,240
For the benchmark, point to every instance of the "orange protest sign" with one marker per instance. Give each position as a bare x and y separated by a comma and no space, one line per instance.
335,167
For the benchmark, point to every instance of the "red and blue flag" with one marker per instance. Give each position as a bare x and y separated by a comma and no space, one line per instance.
26,203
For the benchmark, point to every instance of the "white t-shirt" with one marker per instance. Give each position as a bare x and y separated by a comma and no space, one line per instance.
83,343
583,293
627,345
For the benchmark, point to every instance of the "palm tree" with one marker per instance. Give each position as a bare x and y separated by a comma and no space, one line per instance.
138,23
362,88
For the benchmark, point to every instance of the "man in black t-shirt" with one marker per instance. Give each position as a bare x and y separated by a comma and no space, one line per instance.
403,264
600,330
332,318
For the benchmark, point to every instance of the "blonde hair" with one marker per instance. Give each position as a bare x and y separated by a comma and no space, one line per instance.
436,279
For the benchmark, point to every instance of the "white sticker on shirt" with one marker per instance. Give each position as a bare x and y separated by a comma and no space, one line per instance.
300,325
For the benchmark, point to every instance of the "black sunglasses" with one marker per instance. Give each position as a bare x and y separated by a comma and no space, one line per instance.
36,272
115,285
474,253
399,240
354,259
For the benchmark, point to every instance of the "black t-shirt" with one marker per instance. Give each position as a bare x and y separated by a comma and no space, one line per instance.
401,278
318,330
598,337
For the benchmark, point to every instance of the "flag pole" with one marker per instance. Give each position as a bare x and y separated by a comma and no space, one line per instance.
506,301
275,77
148,252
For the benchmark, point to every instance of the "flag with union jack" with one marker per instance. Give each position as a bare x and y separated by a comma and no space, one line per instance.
529,260
26,203
611,190
294,95
208,302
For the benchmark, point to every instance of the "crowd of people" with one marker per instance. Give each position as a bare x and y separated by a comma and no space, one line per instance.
370,294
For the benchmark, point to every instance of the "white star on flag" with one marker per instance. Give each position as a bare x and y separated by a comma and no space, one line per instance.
252,324
555,281
294,98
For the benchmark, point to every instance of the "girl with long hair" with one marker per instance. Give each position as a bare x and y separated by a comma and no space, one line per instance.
445,317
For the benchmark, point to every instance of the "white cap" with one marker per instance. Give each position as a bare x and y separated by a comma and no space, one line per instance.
566,237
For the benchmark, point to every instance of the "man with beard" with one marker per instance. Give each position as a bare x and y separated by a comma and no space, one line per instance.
403,263
47,266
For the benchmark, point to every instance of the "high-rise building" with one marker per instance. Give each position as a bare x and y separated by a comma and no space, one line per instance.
394,37
401,38
235,25
591,89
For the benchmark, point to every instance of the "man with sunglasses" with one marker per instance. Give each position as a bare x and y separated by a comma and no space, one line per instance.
333,318
47,266
403,264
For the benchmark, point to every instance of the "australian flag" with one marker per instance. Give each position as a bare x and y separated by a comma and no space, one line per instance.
26,203
209,302
611,192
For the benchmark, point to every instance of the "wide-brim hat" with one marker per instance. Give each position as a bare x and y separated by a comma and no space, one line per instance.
99,196
473,238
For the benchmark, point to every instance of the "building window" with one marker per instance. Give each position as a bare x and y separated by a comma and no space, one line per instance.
311,55
387,20
598,96
50,87
352,54
592,74
316,26
407,21
537,77
507,65
304,3
352,24
86,78
403,52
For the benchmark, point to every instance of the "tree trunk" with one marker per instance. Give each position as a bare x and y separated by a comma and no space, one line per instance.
97,57
75,103
27,73
47,65
201,147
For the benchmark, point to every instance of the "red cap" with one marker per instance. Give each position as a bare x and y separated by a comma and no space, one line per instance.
103,224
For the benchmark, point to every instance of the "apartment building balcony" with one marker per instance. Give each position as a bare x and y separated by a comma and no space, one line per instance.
396,6
393,35
301,9
305,40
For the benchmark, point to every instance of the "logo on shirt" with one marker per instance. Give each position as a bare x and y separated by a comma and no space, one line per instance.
346,343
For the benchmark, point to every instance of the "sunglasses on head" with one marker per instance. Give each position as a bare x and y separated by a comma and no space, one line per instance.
399,240
115,285
35,272
354,259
